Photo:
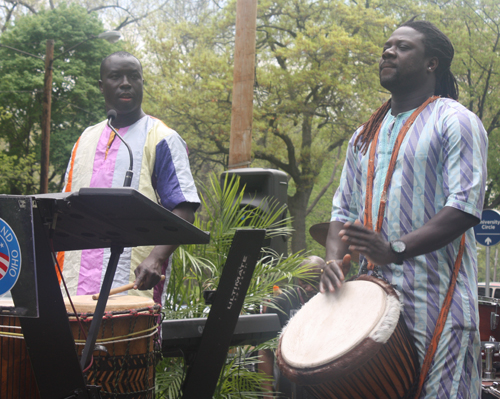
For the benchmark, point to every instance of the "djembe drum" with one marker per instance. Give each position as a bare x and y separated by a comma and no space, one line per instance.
127,331
17,380
352,343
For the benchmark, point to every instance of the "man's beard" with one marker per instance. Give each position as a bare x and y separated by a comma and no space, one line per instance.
390,83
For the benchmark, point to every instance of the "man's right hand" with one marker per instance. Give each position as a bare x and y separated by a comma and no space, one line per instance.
333,274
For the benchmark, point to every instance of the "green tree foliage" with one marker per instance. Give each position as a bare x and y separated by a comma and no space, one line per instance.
76,100
314,84
12,168
474,27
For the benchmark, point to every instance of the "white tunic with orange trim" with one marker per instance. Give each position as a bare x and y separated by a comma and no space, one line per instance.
161,172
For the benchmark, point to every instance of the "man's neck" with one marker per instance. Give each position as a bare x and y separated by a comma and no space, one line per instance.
124,120
404,102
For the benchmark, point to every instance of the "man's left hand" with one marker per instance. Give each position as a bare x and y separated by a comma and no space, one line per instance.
368,242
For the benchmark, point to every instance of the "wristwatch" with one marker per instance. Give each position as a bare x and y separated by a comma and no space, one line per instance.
399,248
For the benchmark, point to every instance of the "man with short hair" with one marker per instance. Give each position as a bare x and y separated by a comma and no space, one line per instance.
161,173
413,183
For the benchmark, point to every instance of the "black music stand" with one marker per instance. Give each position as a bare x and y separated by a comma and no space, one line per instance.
91,218
204,370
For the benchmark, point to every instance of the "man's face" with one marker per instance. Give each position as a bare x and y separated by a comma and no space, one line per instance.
122,84
403,65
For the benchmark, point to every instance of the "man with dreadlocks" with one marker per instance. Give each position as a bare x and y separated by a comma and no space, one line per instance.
411,190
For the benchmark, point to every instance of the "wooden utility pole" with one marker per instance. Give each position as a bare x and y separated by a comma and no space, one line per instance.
240,144
46,117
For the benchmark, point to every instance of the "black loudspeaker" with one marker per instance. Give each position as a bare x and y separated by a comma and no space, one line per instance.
264,189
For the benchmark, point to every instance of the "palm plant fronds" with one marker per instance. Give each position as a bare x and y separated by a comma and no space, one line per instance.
197,268
169,378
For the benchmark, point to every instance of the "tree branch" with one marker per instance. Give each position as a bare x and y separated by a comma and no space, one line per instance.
327,186
14,3
272,159
8,16
494,123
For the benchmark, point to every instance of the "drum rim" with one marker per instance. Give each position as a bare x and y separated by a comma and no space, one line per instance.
83,303
298,354
318,372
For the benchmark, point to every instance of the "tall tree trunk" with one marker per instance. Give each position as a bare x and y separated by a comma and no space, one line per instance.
297,205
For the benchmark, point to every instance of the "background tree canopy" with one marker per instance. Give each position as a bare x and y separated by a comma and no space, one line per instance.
76,100
315,81
313,85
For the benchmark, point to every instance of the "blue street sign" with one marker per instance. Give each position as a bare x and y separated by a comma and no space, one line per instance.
488,231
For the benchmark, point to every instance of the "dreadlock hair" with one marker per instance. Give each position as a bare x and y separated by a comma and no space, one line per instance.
436,44
370,128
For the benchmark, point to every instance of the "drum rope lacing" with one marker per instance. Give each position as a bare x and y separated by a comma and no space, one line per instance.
148,333
123,338
11,334
116,313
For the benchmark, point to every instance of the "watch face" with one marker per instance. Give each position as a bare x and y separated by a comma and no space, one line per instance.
398,246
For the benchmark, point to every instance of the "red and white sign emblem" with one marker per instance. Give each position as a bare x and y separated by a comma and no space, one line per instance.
10,257
4,264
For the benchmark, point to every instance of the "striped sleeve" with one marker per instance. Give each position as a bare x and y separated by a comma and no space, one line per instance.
465,146
172,178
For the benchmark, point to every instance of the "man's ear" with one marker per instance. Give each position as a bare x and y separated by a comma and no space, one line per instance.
432,64
100,86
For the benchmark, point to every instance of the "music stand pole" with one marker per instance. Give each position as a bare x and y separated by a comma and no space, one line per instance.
88,349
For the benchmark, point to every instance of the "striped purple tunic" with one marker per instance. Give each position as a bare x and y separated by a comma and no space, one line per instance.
442,162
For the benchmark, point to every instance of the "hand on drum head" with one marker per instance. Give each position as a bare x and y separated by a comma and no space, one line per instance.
367,242
334,273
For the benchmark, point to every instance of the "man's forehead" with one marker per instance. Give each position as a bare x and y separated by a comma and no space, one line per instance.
119,62
406,33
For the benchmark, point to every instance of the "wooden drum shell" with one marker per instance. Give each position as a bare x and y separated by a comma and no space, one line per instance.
127,331
125,371
369,370
17,380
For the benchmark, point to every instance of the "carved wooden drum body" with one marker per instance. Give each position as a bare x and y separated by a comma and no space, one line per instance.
353,343
124,368
17,380
127,331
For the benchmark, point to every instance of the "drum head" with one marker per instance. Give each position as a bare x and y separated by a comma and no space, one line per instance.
330,325
85,303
